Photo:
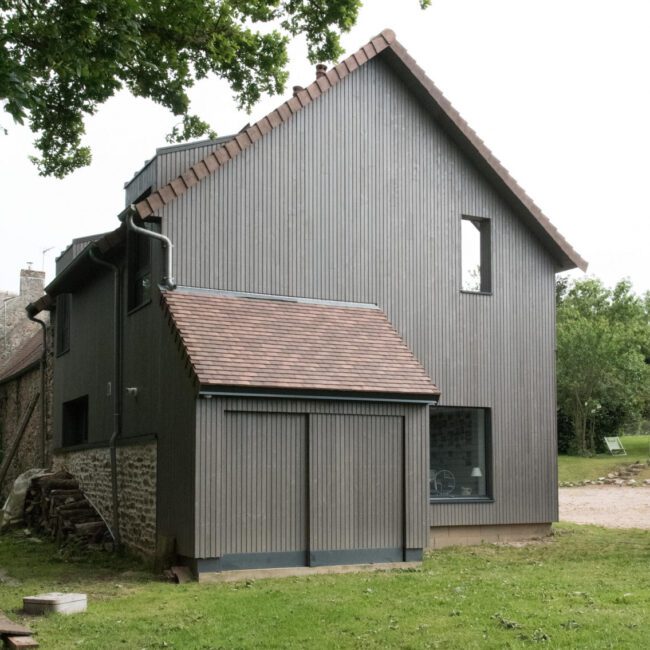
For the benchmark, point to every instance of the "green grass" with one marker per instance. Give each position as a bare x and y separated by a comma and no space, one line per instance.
572,469
586,587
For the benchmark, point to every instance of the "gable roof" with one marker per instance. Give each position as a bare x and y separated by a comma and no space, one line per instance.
385,45
25,357
264,343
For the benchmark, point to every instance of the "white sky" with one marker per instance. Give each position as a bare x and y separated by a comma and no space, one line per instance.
558,89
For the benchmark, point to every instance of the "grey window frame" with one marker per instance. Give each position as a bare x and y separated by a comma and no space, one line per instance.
489,459
484,226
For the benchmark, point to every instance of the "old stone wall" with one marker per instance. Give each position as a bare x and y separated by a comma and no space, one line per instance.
14,398
15,394
136,479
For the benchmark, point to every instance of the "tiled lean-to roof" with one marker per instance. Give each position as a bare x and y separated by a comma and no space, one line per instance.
26,356
384,44
265,343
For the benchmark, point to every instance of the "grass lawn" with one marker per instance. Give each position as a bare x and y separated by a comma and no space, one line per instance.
586,587
576,468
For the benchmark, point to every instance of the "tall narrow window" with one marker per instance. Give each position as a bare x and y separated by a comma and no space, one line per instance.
476,255
63,303
139,271
459,460
75,421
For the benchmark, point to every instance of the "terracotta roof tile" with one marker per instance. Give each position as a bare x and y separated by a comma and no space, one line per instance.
386,42
26,355
281,344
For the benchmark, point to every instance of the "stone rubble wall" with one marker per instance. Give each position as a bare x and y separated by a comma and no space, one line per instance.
136,478
14,398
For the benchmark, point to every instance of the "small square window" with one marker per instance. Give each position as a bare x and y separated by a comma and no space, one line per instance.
459,457
476,255
75,421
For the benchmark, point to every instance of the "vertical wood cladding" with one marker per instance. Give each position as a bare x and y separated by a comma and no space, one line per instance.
359,197
264,466
356,482
261,488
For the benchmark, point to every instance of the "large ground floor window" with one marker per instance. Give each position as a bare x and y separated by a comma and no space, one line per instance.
459,461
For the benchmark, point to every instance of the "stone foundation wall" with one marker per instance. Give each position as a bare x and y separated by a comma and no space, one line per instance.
136,477
441,536
14,398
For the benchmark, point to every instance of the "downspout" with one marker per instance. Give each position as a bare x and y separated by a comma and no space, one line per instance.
116,390
43,365
168,276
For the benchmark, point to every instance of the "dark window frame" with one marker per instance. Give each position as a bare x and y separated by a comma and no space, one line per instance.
484,226
488,468
63,315
139,254
74,422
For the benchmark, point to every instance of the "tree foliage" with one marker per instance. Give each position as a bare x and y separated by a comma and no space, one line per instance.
603,359
61,59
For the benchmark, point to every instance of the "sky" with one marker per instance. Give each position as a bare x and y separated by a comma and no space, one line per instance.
559,91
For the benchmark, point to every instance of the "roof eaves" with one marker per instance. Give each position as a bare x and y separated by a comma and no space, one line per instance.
240,142
385,42
15,374
567,256
104,245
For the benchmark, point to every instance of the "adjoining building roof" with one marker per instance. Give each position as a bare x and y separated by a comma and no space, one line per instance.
266,343
385,45
25,357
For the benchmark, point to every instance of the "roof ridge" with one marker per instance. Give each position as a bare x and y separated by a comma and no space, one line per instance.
227,151
477,142
386,39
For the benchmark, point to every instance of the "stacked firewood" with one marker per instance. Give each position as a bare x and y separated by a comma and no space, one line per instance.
55,505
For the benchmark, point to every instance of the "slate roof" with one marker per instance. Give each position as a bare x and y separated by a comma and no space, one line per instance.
27,355
293,345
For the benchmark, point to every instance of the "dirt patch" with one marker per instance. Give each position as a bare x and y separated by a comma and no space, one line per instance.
603,505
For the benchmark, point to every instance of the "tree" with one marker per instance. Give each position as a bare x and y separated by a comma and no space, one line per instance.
61,59
603,359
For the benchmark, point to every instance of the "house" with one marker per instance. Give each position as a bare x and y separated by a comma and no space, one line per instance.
327,339
15,328
25,384
24,427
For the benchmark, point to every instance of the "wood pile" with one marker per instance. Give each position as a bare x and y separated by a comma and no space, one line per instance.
56,506
14,635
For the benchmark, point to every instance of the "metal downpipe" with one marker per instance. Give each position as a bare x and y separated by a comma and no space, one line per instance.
116,392
168,280
43,366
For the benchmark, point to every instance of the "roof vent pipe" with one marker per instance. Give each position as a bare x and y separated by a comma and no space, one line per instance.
321,69
168,277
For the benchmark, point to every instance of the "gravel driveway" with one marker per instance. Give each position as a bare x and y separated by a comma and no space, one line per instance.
605,505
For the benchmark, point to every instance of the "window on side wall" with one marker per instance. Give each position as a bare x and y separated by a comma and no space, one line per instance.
63,306
476,255
75,422
459,457
139,270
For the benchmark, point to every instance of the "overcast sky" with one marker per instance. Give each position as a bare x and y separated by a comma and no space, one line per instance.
558,89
